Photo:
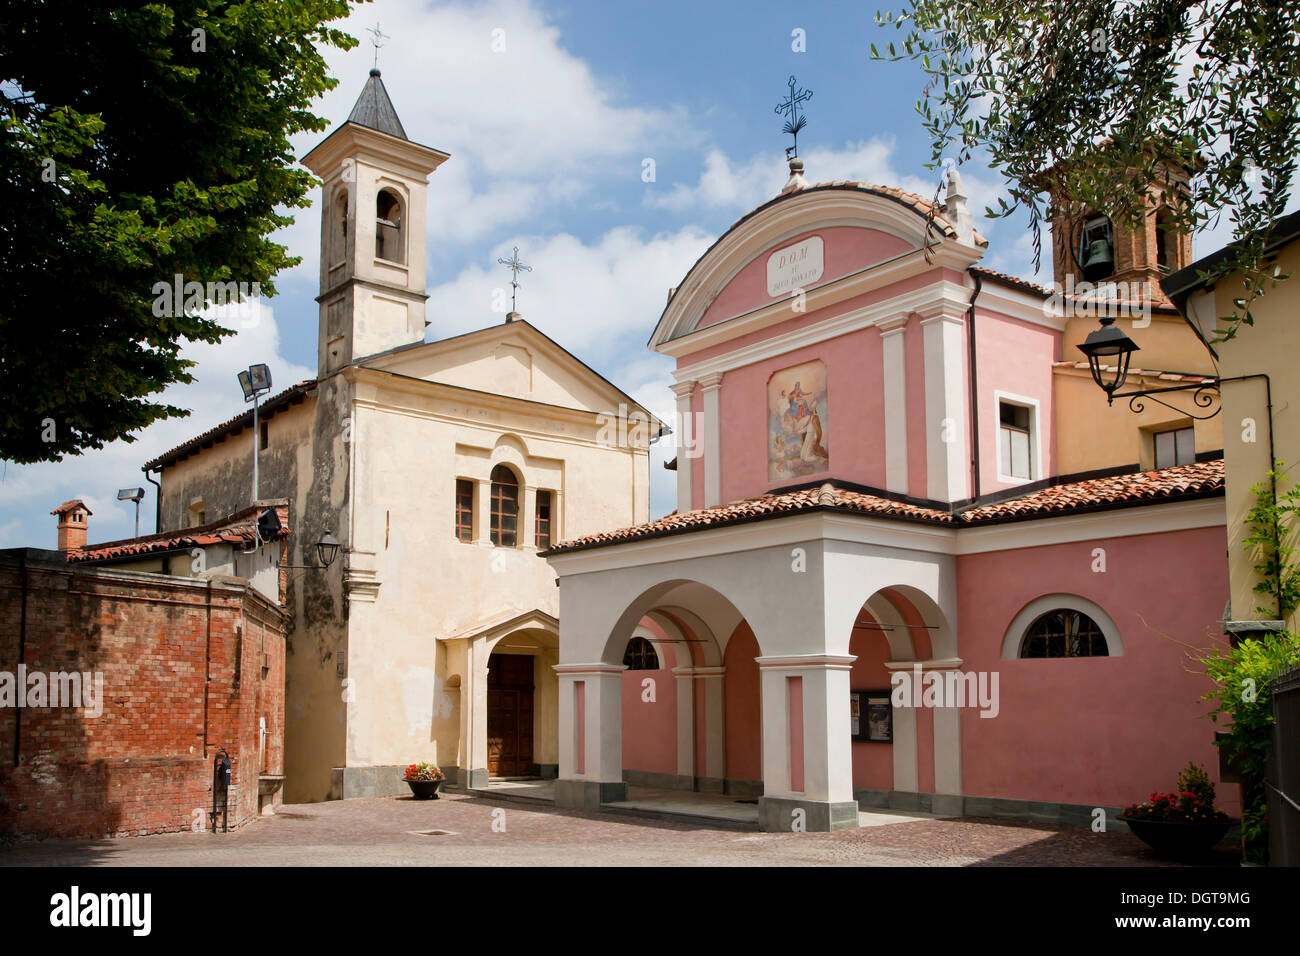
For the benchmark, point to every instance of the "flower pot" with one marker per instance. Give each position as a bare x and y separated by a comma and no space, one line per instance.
1176,839
424,789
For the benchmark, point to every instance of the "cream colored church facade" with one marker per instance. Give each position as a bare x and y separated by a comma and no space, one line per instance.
442,468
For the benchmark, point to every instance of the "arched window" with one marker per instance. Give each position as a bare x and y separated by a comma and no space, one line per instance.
505,507
1164,240
341,227
640,655
389,242
1064,632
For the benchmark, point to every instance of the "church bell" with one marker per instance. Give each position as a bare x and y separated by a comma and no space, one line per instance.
1100,261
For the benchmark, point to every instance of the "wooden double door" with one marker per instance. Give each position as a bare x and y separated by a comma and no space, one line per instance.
510,715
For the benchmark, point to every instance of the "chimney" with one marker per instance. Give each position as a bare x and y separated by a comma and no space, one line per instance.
72,524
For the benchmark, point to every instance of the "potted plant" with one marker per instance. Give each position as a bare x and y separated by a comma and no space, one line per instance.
424,779
1182,824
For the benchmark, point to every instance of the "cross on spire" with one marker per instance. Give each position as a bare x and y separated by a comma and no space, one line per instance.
795,119
515,266
376,38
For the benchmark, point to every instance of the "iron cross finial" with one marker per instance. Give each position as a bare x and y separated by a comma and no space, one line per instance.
795,119
515,266
376,37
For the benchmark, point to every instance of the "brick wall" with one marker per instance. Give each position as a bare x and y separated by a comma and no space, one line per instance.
189,666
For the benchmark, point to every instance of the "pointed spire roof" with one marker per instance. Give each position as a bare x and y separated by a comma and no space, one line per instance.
374,109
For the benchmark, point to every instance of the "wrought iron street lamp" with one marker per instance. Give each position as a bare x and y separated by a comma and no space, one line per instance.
1109,351
327,548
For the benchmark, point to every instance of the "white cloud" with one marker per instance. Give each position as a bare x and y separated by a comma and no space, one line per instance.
28,492
600,300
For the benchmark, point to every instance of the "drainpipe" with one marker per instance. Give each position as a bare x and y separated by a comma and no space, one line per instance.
22,648
157,511
974,389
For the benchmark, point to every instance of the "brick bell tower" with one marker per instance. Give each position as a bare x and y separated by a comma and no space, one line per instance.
1087,246
372,290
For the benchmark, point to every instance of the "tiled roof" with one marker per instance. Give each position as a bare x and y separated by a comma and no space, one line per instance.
71,505
1147,373
240,529
1015,281
1202,479
290,396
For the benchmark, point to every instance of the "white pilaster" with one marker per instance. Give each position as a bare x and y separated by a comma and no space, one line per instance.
602,726
685,722
945,407
712,439
827,758
894,379
687,438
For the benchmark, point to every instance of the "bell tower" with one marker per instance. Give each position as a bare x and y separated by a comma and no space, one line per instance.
1087,246
372,290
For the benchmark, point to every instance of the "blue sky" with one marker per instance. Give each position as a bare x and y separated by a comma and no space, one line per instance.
548,139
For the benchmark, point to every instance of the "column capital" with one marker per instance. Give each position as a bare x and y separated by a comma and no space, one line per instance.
933,664
690,671
711,381
594,669
892,326
683,389
808,662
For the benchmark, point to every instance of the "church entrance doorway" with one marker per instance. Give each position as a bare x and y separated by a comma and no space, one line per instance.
510,715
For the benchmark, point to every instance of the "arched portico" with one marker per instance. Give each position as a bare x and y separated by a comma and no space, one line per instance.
900,635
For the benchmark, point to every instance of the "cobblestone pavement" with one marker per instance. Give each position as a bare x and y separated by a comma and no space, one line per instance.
387,831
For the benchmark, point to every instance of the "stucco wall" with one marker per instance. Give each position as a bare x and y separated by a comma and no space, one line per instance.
1270,347
1104,730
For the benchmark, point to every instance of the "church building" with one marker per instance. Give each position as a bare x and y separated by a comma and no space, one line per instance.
442,468
917,561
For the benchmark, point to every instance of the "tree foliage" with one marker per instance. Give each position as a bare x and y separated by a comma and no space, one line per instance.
1109,95
138,142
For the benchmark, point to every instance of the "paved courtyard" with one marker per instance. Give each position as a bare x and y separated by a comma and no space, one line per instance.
458,829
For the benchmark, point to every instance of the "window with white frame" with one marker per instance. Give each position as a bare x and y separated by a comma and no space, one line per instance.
1175,447
1015,440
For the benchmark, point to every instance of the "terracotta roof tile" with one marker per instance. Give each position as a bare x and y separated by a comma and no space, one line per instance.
239,529
71,505
1184,481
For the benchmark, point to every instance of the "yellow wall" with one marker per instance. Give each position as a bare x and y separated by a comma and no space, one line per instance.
1091,435
1270,346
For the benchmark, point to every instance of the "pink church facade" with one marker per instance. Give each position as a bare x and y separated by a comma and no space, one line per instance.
876,589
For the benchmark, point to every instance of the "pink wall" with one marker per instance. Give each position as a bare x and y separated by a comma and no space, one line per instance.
650,727
1016,357
741,701
917,421
873,763
855,434
1095,731
847,249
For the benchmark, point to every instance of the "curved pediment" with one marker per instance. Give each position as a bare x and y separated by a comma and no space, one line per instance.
811,239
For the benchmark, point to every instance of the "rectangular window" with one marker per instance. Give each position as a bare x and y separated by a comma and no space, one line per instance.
464,510
543,520
1177,447
1015,452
